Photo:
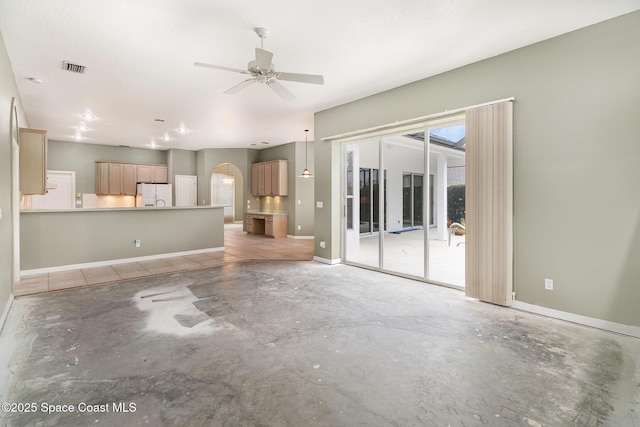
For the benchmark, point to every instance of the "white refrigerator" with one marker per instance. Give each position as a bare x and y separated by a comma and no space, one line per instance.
156,195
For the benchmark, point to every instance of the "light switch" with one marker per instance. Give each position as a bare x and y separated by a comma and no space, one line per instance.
319,204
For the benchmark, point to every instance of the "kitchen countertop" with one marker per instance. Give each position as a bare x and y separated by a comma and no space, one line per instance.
267,213
151,208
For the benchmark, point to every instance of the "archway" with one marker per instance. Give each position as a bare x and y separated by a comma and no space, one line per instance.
226,189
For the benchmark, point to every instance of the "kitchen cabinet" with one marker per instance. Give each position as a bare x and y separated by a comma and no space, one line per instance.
269,178
115,178
254,179
129,179
270,225
109,179
152,174
33,161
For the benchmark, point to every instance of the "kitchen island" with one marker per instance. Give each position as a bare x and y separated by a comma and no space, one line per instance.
56,240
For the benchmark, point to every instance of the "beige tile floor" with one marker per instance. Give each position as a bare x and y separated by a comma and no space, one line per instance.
238,247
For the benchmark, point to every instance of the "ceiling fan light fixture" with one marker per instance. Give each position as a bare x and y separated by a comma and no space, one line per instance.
305,173
262,70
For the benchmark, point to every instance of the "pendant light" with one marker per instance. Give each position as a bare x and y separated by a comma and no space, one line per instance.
305,173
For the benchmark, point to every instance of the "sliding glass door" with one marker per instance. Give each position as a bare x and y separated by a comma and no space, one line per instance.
396,194
446,255
363,195
412,197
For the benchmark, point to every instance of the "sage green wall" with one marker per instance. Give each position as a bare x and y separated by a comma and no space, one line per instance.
577,145
181,162
8,90
82,158
61,238
304,191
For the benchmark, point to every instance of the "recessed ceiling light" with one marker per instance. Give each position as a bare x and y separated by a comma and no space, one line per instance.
88,116
265,142
159,120
166,137
82,127
78,137
182,130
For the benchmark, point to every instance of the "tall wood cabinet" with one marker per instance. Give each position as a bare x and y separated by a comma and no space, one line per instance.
33,161
269,178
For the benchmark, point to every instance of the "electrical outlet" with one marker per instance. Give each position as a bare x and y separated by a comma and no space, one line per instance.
323,244
299,227
138,243
548,284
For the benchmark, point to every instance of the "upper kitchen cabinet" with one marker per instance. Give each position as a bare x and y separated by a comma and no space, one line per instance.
114,178
33,161
269,178
129,178
109,178
152,174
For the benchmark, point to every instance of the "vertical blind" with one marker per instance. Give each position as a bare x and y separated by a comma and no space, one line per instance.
489,203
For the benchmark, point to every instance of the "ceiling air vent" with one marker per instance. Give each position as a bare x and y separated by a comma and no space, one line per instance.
74,68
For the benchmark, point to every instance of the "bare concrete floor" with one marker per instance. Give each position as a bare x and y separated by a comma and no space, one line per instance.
285,343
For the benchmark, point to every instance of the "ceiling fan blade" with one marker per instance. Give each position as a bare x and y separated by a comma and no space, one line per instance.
302,78
263,59
240,86
220,67
281,90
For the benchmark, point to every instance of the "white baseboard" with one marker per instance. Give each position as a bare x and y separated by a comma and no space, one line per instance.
619,328
327,261
5,312
45,270
291,236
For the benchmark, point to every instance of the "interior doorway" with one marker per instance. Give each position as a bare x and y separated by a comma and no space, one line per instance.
226,190
61,192
186,190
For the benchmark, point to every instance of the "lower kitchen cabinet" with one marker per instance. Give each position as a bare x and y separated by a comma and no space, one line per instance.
270,225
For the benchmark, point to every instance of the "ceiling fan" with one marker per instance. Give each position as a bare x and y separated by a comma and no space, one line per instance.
262,71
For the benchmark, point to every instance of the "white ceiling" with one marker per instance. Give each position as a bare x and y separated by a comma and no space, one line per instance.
139,57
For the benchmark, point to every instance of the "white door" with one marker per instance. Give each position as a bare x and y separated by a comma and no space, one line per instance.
61,191
186,190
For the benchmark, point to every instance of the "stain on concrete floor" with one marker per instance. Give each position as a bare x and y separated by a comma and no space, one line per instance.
302,343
